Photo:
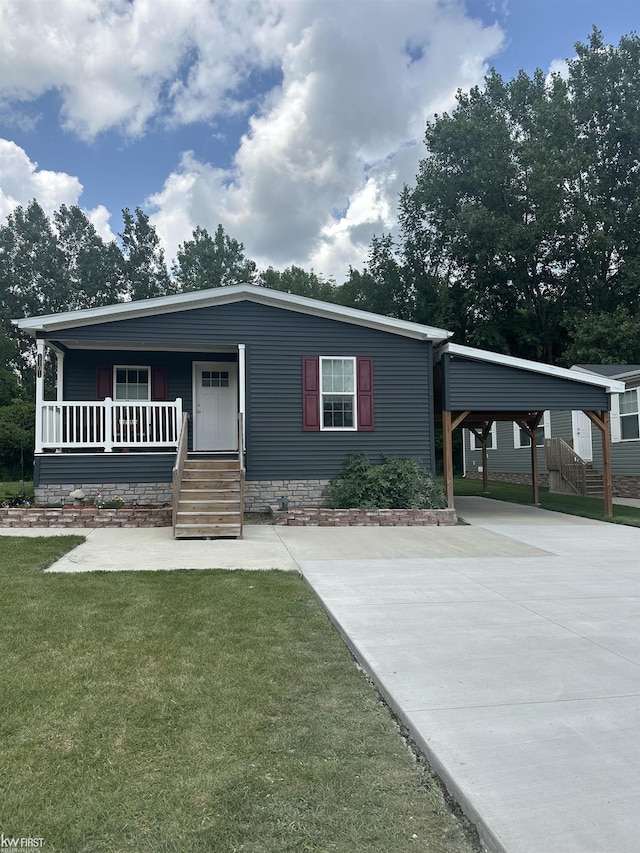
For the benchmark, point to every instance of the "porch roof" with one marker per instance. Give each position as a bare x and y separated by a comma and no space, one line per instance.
47,324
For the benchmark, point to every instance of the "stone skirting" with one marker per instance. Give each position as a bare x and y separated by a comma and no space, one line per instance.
85,517
521,479
623,487
147,494
260,495
322,517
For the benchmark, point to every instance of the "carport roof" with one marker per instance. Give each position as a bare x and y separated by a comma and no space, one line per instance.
580,374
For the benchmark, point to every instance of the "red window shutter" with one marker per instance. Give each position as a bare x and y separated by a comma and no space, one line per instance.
311,393
364,372
104,381
159,383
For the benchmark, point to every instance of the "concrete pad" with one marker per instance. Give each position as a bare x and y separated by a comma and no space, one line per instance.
518,675
481,510
155,549
379,543
560,769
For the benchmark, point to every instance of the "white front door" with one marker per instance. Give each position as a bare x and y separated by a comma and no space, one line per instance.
582,435
215,403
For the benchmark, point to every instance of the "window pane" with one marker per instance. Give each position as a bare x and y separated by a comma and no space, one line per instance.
525,441
337,411
121,376
629,427
540,437
338,376
628,402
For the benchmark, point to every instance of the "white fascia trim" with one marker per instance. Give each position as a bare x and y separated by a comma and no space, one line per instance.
610,385
223,296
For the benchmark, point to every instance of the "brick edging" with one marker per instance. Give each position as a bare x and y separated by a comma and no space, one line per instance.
320,517
85,517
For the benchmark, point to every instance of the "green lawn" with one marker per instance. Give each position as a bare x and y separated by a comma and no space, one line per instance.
195,711
572,504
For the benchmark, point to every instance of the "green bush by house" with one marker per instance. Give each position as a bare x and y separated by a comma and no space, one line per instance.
395,484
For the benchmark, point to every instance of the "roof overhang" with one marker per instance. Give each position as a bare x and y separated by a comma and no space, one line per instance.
612,386
51,323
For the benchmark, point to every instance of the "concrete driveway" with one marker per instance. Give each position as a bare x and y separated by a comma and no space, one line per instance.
516,670
509,647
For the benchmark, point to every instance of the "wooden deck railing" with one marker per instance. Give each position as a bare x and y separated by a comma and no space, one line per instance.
563,459
178,469
107,424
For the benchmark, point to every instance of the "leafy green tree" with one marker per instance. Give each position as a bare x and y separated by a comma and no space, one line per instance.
10,388
92,269
527,203
144,266
207,261
604,271
17,436
298,281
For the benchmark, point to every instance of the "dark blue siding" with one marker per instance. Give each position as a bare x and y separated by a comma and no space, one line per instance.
483,386
103,468
276,340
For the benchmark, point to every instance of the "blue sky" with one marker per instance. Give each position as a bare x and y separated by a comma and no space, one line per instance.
294,123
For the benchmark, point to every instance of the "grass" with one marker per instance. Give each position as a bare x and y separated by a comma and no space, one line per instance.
195,711
571,504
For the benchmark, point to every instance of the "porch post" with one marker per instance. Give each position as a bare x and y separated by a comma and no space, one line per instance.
606,466
601,420
447,452
59,375
40,346
242,377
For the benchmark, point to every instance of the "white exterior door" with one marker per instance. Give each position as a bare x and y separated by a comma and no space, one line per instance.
215,403
582,435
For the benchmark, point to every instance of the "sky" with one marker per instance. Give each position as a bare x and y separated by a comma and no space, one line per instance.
293,123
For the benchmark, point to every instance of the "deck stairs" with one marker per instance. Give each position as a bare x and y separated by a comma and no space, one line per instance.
568,472
593,482
210,498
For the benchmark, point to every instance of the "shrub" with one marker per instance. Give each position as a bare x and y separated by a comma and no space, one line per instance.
395,484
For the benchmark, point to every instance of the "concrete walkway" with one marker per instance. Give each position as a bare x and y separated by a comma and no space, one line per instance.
517,673
509,648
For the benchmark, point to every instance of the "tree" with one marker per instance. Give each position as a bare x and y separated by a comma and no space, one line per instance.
92,269
300,282
206,261
527,201
604,277
144,267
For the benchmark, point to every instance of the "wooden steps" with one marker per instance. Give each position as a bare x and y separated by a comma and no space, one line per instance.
594,482
210,500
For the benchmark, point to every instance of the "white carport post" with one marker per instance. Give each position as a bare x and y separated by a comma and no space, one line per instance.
40,345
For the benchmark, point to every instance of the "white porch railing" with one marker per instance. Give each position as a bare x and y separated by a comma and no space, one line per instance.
107,424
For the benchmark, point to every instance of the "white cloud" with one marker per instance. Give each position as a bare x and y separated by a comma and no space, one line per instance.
326,152
21,181
120,64
559,66
340,134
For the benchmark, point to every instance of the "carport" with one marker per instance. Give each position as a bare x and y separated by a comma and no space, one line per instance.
475,388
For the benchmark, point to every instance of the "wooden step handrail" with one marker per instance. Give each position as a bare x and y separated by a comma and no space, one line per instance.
559,456
178,469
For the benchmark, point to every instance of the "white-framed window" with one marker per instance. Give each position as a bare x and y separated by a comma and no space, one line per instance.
521,439
492,439
338,393
131,382
629,409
